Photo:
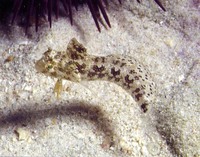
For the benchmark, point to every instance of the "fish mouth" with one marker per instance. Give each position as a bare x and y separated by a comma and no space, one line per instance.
40,66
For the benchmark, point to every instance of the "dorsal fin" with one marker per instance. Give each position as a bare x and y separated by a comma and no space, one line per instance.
76,50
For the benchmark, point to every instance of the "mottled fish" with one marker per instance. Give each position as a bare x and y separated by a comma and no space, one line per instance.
75,64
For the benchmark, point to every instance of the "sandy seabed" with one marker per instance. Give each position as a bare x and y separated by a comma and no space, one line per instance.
99,118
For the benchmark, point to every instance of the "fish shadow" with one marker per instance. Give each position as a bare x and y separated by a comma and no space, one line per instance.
80,111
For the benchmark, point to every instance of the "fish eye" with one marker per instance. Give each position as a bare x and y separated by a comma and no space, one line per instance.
49,66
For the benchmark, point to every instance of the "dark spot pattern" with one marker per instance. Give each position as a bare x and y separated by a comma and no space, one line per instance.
122,64
122,71
80,49
115,62
127,85
91,74
144,107
128,80
143,86
100,59
100,72
146,76
137,90
103,59
76,50
138,96
98,69
75,56
139,69
96,59
115,72
133,72
81,68
136,78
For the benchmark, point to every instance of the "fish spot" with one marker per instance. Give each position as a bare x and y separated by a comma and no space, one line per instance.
81,68
138,96
137,90
144,107
129,81
98,69
91,74
115,62
115,72
122,64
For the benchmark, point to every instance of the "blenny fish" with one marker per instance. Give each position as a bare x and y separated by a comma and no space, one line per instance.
76,65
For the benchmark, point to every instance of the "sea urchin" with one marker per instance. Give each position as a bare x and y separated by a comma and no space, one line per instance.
34,10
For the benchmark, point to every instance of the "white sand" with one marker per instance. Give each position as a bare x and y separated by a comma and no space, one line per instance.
99,118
